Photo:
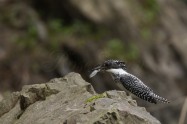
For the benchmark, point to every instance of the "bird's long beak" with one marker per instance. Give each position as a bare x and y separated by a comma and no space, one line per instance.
96,70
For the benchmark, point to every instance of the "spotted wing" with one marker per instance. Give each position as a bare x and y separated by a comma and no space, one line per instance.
137,87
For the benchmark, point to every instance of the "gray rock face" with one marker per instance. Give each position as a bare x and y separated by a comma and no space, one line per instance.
71,100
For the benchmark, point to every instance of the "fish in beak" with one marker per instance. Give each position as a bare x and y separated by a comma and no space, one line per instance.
95,71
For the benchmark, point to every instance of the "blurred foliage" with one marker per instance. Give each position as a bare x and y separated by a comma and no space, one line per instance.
77,28
58,32
78,32
146,33
117,49
29,39
15,16
150,8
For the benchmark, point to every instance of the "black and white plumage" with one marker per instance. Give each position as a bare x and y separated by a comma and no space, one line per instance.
129,81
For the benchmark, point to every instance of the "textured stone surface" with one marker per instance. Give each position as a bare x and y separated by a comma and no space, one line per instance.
65,100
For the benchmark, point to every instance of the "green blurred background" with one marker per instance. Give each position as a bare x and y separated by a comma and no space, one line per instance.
44,39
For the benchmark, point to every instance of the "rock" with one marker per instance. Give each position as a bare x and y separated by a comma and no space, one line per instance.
1,97
10,101
70,100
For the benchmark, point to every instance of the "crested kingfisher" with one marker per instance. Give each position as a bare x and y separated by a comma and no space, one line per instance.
129,81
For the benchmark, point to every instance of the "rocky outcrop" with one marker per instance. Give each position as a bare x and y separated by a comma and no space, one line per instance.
70,100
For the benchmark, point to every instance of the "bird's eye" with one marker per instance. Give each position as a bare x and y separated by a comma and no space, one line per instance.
106,64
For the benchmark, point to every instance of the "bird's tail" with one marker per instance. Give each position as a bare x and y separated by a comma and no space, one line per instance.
161,99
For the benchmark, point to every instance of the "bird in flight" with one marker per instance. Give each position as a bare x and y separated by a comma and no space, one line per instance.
130,82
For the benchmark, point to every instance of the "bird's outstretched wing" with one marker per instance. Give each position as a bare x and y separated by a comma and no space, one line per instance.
138,88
